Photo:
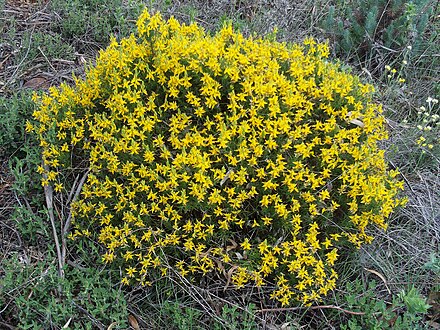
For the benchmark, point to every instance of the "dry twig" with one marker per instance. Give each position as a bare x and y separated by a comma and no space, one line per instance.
290,309
48,192
69,217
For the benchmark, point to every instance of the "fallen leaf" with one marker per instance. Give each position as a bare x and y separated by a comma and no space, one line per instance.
36,83
231,247
229,275
221,267
357,122
111,326
434,325
65,326
204,254
433,298
434,302
380,276
133,322
82,60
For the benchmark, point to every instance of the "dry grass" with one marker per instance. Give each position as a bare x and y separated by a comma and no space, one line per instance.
401,252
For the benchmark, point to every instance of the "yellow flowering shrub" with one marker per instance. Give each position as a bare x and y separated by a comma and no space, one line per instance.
249,158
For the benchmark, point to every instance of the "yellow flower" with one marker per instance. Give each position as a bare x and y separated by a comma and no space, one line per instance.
263,247
131,271
332,256
246,245
29,127
58,187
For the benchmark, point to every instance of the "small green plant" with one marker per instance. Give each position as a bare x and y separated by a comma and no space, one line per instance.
33,227
22,166
233,318
377,31
434,265
434,262
181,318
95,21
35,295
406,310
192,12
48,46
13,112
176,315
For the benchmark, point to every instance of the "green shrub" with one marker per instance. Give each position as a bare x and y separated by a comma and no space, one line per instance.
405,311
237,319
94,20
377,31
32,227
434,263
14,112
181,318
18,149
84,299
248,158
44,44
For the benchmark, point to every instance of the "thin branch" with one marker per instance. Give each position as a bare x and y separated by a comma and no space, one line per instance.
69,198
69,217
289,309
21,62
75,197
6,326
197,294
45,57
48,192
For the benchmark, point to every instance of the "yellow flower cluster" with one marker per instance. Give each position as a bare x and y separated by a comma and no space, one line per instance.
246,157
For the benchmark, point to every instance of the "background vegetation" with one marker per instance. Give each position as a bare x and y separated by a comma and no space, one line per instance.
392,283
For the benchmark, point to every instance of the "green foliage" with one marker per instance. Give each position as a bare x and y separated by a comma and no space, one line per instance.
31,292
39,299
376,30
22,166
181,318
17,147
14,111
434,265
406,310
46,45
192,12
434,262
95,20
414,302
234,318
33,227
